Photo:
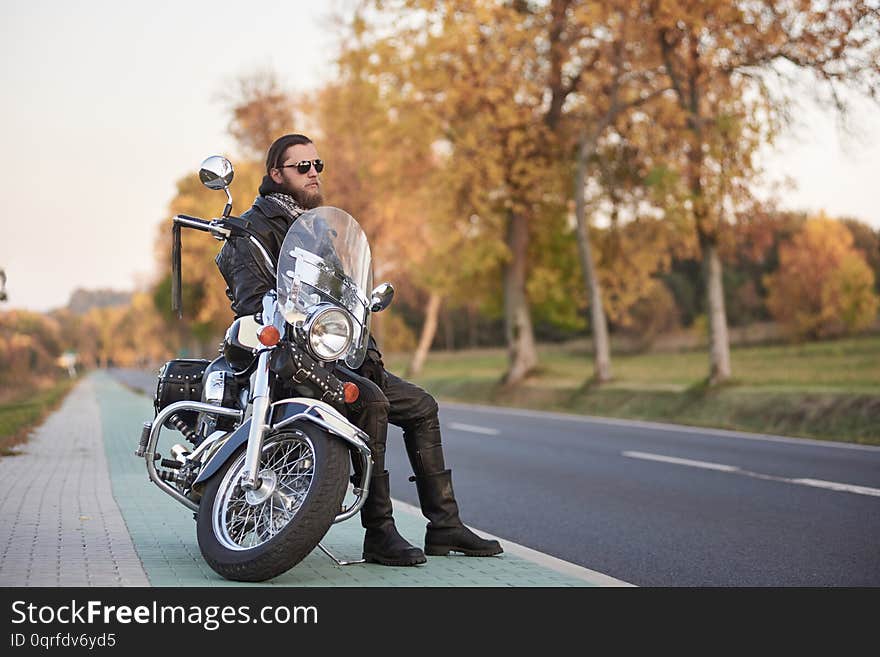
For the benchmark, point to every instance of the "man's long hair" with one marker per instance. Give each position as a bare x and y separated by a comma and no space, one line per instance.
279,146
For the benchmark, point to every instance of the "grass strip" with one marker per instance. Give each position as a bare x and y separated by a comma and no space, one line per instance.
827,390
31,406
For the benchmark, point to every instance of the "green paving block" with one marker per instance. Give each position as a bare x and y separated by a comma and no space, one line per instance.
164,532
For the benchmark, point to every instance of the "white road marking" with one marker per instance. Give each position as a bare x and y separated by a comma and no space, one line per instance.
833,485
815,483
672,459
457,426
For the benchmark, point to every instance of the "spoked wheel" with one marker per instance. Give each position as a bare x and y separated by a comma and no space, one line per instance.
253,535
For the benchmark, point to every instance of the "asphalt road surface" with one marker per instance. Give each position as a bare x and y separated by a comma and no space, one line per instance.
661,505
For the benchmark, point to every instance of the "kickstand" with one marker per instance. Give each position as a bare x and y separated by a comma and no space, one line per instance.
338,562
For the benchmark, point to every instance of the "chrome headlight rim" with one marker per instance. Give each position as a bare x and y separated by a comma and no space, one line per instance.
319,313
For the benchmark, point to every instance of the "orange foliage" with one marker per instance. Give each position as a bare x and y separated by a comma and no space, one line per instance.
629,258
30,343
823,286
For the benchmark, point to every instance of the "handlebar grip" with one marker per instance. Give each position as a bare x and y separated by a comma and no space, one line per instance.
192,222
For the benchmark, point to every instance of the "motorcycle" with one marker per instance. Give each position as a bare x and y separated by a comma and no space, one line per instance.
267,468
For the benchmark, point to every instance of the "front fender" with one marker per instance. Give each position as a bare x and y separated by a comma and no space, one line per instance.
283,413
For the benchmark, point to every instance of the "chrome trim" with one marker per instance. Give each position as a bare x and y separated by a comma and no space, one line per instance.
259,415
201,224
156,429
266,257
268,489
260,401
215,386
314,315
179,453
207,442
242,333
355,437
219,232
228,207
339,562
381,297
216,172
311,270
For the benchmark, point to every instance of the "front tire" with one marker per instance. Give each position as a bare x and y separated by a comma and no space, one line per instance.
252,536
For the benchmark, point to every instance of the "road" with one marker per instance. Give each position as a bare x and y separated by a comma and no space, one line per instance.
660,505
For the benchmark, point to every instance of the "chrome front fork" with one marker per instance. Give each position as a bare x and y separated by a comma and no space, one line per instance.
259,421
260,402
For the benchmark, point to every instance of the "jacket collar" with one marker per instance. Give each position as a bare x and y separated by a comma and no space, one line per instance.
268,208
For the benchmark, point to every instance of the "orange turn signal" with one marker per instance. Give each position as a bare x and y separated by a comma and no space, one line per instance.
350,392
269,336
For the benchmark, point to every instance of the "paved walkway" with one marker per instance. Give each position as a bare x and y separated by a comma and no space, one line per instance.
77,509
59,523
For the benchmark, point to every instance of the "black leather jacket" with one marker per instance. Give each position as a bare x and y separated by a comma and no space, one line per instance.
241,263
243,266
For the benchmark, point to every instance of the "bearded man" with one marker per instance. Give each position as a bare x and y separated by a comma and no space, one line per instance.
291,186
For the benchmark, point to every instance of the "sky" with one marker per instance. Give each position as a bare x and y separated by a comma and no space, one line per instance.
108,103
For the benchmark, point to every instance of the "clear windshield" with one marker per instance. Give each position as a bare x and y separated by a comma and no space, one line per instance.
325,258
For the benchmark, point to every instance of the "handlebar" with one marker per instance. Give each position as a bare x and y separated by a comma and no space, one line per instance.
192,222
220,229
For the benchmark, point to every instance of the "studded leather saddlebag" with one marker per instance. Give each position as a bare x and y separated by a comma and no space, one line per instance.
180,380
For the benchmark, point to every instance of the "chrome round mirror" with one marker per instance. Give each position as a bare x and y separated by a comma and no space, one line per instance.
216,172
381,297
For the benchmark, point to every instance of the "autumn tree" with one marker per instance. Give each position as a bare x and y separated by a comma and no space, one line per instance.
261,111
146,336
79,336
823,286
598,69
461,255
719,57
478,67
549,78
493,111
867,240
206,307
643,234
30,343
379,164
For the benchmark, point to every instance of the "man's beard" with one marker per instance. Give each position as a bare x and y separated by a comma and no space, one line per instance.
307,200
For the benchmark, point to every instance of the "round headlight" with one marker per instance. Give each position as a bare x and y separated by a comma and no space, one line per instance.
329,333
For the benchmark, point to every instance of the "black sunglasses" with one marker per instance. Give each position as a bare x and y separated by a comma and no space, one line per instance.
305,166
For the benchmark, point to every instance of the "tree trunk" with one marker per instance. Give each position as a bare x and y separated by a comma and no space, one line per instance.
472,327
429,330
598,321
449,333
707,230
719,342
522,354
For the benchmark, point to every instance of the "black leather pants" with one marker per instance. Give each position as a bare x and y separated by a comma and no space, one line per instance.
405,405
382,542
415,411
370,414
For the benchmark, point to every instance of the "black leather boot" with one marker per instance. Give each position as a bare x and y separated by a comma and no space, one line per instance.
445,532
382,543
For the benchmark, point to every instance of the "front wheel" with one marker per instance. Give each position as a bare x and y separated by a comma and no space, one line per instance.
252,536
